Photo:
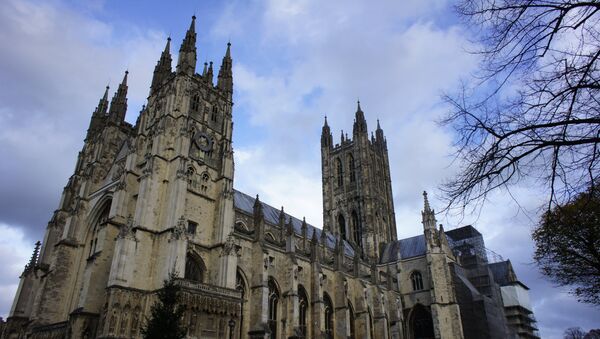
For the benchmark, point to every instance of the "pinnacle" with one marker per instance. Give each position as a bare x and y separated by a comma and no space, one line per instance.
426,202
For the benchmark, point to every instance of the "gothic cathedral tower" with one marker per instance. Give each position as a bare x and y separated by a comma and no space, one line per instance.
357,189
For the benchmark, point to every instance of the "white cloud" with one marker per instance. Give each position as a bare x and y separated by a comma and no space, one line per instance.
15,251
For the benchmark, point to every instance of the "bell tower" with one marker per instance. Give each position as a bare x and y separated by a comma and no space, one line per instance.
357,190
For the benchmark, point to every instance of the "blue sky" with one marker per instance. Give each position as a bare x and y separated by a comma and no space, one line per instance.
294,63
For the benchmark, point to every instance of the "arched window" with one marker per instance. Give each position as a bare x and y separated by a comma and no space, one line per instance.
100,220
351,316
240,285
273,304
213,116
342,226
417,280
194,268
356,231
340,172
351,167
195,104
302,310
328,316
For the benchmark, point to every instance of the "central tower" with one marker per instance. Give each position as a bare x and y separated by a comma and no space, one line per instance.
357,189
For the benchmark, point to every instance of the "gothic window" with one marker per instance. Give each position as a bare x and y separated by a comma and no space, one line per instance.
273,304
195,104
351,167
340,172
356,236
190,175
351,316
342,226
240,285
213,116
417,280
194,268
100,220
191,229
302,310
328,316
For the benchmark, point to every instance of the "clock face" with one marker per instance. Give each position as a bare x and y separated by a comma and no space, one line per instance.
203,141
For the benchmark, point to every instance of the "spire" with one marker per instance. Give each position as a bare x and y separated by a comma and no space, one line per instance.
379,134
360,124
209,74
257,208
204,69
225,78
118,104
281,217
102,108
163,67
426,202
187,52
326,137
428,214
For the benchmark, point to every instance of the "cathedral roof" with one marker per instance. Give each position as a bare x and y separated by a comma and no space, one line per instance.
404,249
245,203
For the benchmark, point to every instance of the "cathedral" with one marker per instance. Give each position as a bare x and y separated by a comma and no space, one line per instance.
158,197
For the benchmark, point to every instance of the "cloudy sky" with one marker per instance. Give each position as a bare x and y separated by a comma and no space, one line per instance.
294,63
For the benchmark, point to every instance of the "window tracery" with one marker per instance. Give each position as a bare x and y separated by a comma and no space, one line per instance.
417,280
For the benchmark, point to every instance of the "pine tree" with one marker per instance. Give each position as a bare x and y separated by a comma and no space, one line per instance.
166,313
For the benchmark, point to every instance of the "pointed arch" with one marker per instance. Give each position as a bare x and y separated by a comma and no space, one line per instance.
329,316
97,219
340,172
241,286
351,168
273,307
420,323
356,228
342,225
194,268
303,311
351,318
417,280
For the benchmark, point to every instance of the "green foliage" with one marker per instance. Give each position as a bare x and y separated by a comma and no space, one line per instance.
166,313
568,246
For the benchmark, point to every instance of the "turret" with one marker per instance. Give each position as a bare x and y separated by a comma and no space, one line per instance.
209,74
118,104
326,137
360,124
186,64
163,67
225,78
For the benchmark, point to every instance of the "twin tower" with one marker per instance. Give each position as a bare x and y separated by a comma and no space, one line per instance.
357,191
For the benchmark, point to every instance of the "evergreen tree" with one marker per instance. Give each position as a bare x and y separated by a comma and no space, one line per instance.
164,321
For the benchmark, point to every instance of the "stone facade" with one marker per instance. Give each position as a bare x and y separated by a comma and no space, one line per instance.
158,197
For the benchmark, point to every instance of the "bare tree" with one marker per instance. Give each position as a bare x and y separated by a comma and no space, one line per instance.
534,110
574,333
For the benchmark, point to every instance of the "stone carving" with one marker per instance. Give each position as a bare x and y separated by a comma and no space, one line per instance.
179,231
